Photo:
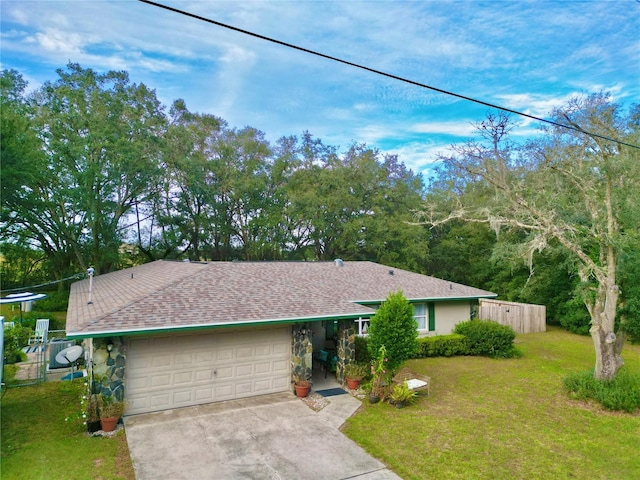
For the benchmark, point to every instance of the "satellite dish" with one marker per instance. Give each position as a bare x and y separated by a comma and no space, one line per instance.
69,355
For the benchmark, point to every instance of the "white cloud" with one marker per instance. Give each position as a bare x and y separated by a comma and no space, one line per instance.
458,128
238,55
59,42
420,157
534,104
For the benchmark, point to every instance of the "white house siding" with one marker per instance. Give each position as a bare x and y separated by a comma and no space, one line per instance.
448,314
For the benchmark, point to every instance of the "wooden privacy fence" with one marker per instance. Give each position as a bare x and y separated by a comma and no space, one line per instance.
522,317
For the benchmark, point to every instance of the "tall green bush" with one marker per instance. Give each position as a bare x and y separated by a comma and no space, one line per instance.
394,327
488,338
362,351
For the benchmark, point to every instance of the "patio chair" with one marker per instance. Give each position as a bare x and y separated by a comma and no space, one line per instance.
328,360
415,381
8,325
42,327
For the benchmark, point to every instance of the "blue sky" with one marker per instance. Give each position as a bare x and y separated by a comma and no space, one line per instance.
528,56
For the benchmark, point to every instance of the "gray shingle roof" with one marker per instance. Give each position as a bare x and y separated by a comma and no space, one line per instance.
181,295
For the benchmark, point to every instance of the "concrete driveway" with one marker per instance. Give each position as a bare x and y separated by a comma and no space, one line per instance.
268,437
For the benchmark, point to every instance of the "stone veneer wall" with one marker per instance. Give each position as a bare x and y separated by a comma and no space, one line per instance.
108,368
346,346
301,351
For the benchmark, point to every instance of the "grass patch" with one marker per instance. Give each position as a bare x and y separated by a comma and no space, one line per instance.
621,393
37,442
505,418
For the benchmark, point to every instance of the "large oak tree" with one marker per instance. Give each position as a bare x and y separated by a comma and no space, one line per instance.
569,189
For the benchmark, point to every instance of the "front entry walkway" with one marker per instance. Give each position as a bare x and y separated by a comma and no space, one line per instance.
268,437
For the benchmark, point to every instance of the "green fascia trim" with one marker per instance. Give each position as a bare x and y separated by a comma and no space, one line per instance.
212,326
428,299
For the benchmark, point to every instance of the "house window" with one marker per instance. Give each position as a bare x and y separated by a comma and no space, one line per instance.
363,326
420,315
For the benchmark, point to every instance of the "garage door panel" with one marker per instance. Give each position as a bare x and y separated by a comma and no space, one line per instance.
262,350
204,357
224,373
224,392
244,370
160,380
183,360
183,397
203,395
280,366
187,377
281,348
170,372
224,355
243,389
244,352
281,383
262,385
203,375
158,362
262,367
161,400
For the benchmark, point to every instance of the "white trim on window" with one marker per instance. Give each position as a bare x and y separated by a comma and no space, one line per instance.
420,316
363,326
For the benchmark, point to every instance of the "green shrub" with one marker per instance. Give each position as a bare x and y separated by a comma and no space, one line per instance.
574,317
362,351
54,302
394,328
443,346
14,356
621,393
14,339
488,338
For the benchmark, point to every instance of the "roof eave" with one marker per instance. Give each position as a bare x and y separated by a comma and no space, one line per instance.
212,326
430,299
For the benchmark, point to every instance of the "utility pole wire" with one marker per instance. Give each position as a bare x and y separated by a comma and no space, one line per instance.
385,74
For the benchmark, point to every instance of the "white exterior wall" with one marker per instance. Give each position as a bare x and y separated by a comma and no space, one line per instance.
448,314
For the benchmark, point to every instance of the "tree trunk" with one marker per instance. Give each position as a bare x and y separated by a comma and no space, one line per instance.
608,348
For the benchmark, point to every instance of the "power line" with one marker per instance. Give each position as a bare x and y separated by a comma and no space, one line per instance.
385,74
33,287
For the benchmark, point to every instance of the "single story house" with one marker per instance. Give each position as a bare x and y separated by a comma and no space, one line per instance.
169,334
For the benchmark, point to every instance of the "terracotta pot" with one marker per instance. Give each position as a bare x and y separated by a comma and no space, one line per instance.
109,423
302,390
353,383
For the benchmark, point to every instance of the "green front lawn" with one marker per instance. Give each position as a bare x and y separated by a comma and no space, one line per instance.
37,442
507,419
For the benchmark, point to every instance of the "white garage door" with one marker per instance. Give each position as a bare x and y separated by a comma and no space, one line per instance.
179,371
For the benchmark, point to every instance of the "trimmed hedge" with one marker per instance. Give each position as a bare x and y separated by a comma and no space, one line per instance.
443,346
488,338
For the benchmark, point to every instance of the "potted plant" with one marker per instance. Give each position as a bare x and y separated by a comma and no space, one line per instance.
302,386
354,373
378,372
110,412
401,395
